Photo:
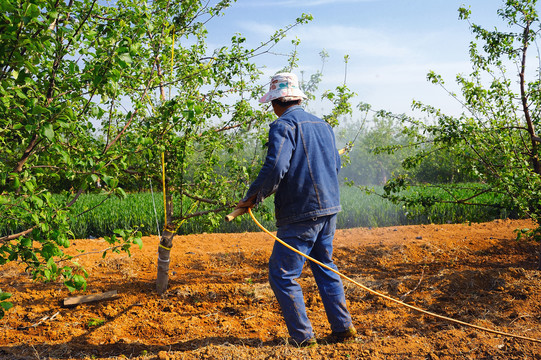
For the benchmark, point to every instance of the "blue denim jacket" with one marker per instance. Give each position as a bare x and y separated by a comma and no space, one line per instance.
301,167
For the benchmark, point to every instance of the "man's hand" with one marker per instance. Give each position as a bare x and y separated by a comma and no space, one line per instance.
249,203
242,208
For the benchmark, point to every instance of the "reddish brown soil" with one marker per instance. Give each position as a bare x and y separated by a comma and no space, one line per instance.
219,304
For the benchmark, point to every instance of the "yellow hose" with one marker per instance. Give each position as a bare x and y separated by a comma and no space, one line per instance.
385,296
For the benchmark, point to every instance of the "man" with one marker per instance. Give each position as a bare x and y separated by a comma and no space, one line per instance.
301,168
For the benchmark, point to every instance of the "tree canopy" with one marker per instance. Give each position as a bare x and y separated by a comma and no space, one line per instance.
91,95
496,136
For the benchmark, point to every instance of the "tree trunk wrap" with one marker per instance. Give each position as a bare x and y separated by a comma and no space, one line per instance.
164,252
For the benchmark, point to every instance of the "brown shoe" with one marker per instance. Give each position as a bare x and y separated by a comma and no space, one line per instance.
310,343
344,336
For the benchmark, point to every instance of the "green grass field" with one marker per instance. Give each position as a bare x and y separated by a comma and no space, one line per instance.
145,211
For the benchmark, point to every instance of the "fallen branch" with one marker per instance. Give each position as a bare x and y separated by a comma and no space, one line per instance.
41,321
76,300
18,235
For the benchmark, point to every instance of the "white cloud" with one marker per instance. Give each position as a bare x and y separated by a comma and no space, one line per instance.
388,59
354,41
300,3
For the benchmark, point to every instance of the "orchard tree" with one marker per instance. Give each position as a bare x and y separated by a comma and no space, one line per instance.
139,72
496,134
378,149
206,160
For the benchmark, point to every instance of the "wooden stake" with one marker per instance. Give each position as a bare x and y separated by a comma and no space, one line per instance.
76,300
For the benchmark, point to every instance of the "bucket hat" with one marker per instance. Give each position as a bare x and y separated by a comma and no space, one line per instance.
285,86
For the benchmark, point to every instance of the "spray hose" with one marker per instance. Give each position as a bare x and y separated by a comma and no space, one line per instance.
241,211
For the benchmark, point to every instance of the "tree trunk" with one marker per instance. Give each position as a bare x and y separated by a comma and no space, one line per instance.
164,252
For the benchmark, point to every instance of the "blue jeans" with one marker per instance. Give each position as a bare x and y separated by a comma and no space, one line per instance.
313,237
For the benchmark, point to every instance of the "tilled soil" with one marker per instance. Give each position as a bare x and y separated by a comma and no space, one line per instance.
219,304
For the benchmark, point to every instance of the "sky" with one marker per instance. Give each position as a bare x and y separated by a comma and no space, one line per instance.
391,44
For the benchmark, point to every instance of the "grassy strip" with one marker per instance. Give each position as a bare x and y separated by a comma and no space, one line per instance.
144,211
359,210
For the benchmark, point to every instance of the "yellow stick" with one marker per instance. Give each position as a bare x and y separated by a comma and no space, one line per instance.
163,185
172,58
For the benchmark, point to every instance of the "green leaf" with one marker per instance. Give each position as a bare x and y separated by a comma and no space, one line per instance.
38,201
4,295
126,59
139,242
31,187
26,242
70,287
47,131
6,305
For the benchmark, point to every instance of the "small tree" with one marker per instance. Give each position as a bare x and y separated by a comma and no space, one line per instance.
140,70
496,133
200,151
